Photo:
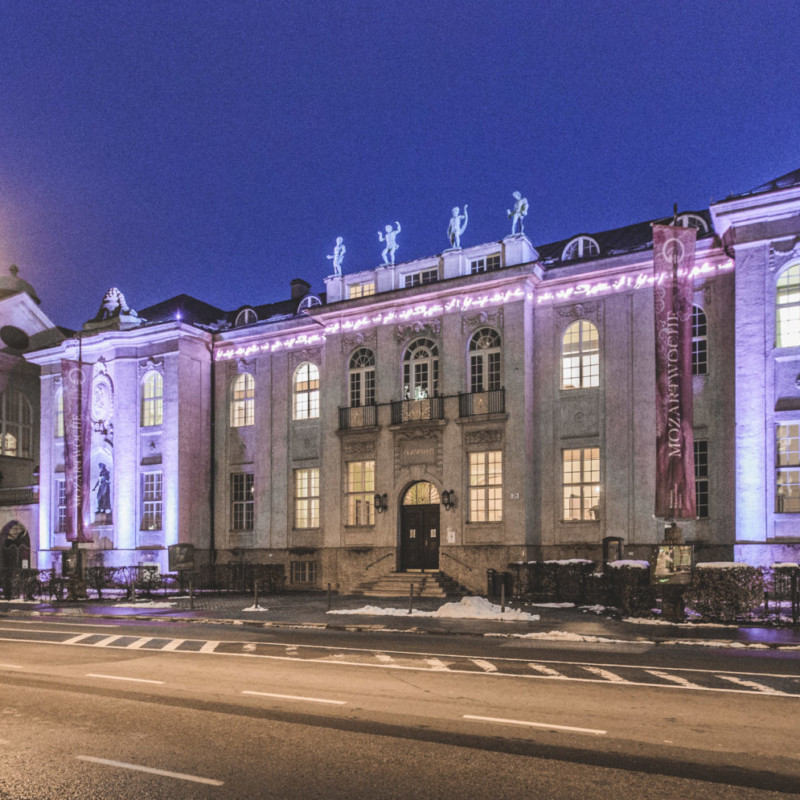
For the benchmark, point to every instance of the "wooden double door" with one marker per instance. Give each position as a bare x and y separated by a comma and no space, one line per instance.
419,537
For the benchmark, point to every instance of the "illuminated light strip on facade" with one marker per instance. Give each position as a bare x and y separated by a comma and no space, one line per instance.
623,283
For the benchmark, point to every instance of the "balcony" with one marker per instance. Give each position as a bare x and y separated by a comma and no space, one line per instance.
417,410
358,417
20,496
474,404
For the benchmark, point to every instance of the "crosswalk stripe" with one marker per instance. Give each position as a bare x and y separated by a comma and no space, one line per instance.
436,664
759,687
673,678
79,638
208,647
107,641
173,644
384,658
138,643
606,675
486,666
550,673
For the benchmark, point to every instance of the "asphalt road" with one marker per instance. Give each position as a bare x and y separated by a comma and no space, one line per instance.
174,711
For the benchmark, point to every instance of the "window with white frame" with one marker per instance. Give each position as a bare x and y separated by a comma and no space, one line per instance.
152,500
242,501
701,477
359,493
152,399
247,316
304,571
486,486
787,308
420,278
580,470
787,458
580,247
242,400
699,342
60,414
421,370
362,378
485,264
484,361
693,221
356,290
306,391
16,425
61,505
580,356
306,498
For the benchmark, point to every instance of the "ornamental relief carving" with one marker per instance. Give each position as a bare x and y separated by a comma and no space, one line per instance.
151,363
471,322
488,436
353,341
410,329
241,365
592,310
780,253
417,449
359,448
297,357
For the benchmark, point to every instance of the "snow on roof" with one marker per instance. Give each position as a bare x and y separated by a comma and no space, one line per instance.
629,562
721,565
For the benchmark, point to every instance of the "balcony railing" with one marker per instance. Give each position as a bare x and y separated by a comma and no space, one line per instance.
22,496
417,410
475,403
358,417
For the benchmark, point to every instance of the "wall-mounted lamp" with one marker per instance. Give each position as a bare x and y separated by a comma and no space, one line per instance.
380,502
448,499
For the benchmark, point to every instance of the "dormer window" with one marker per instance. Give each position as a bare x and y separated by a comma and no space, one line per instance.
420,278
692,221
485,264
246,317
309,301
580,247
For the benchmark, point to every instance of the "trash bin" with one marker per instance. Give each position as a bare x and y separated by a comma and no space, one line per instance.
497,581
490,573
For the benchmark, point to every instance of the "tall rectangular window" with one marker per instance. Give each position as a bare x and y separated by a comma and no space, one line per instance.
486,264
242,494
152,497
61,506
420,278
306,498
152,399
355,290
580,470
486,486
787,458
701,476
304,571
359,492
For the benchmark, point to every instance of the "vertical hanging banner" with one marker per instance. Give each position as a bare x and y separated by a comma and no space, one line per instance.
673,257
76,379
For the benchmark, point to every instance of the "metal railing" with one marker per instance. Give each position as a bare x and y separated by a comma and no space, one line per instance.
358,417
417,410
21,496
474,403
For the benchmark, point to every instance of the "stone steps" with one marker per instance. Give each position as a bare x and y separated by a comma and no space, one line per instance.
426,584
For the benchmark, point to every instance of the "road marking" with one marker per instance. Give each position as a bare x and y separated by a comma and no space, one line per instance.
551,673
181,776
208,647
604,673
79,638
59,622
544,725
437,664
297,697
687,684
171,645
759,687
139,643
107,641
120,678
486,666
10,666
382,657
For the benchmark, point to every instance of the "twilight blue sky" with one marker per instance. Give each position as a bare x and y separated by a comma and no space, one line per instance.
218,148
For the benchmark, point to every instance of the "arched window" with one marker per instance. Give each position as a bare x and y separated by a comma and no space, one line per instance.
693,221
580,356
60,414
421,370
246,317
15,425
580,247
484,361
362,378
787,308
242,400
421,494
306,391
699,342
152,399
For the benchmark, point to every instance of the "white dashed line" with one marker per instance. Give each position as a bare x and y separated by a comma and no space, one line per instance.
121,678
550,673
297,697
545,725
759,687
437,664
486,666
666,676
383,658
10,666
181,776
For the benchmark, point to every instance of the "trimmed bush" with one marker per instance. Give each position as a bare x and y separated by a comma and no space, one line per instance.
629,588
725,592
560,581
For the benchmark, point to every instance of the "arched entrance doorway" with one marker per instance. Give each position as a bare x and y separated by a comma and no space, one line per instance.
419,527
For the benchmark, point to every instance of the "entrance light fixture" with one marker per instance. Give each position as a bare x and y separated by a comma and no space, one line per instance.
380,502
448,499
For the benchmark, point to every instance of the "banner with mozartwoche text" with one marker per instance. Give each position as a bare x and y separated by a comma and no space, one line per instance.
673,258
76,379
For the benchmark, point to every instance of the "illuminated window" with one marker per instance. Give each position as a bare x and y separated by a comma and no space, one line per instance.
16,429
421,370
422,277
787,483
246,317
306,498
306,391
362,378
486,486
152,399
580,247
359,492
487,264
699,342
355,290
484,361
580,470
59,414
580,356
787,308
61,506
242,495
304,571
243,392
701,476
152,497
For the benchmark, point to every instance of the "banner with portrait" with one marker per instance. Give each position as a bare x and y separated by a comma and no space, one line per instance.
76,378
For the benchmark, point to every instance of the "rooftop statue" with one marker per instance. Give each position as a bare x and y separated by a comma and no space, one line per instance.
518,213
338,255
391,242
113,305
455,228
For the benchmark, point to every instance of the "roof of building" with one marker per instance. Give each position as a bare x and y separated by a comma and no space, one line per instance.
186,308
784,182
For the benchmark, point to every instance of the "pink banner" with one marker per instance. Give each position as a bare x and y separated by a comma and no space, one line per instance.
673,257
76,378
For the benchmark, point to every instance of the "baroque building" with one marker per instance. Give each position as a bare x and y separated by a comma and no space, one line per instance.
485,405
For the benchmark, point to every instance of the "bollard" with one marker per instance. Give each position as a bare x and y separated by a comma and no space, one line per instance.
191,594
255,590
410,597
503,597
329,597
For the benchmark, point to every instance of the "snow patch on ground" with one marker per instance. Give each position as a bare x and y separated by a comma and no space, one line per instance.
144,604
565,636
693,625
255,608
553,605
467,608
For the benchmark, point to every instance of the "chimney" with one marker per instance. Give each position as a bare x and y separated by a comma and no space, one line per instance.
300,288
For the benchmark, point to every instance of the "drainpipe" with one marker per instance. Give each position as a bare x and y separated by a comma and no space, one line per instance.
213,465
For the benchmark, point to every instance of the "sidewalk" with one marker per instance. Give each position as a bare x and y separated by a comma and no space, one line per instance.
391,614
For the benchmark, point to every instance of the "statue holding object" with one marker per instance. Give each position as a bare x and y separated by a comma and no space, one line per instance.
390,238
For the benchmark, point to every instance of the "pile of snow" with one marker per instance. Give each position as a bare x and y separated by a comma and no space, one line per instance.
255,608
144,604
629,562
563,636
467,608
720,565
